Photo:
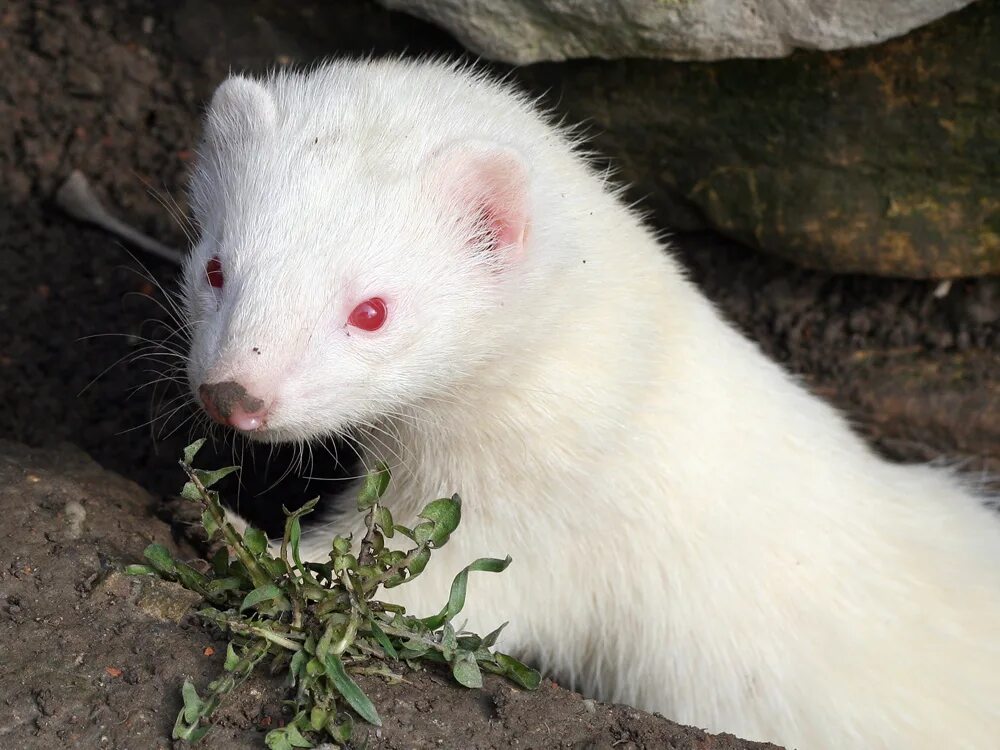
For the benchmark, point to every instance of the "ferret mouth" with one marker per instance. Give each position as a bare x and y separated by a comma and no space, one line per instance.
264,434
229,405
257,431
275,435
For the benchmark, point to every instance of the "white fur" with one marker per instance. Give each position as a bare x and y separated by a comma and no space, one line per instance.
692,531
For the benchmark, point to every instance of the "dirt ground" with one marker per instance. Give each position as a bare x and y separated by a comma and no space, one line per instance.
114,88
95,659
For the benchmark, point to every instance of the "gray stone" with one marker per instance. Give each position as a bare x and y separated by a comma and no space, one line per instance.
527,31
883,160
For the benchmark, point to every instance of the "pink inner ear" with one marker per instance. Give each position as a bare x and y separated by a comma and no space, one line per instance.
491,181
507,226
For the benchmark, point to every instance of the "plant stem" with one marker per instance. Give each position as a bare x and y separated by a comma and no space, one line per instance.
233,540
410,635
365,554
296,597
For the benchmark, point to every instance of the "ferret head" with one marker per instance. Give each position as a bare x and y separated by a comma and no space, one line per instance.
341,273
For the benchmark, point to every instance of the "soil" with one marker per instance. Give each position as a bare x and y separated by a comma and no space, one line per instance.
95,659
115,88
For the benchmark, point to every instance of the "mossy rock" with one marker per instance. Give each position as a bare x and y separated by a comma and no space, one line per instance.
882,160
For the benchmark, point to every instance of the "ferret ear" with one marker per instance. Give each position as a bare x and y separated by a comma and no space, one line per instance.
239,107
486,184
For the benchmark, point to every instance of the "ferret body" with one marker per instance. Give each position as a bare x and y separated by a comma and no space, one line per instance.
410,252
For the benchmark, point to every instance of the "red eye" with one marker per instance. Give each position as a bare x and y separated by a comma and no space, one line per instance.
369,315
213,269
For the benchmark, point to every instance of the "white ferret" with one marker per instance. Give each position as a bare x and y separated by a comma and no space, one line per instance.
410,252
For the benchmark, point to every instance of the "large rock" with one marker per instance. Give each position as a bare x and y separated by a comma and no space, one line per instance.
882,160
527,31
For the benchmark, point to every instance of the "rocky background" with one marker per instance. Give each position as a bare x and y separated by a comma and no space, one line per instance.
841,207
882,159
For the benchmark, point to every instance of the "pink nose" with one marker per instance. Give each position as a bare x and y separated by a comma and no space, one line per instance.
229,403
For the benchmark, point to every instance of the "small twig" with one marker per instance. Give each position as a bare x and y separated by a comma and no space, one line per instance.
77,198
285,640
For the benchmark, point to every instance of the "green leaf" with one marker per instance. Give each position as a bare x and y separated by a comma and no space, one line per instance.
209,524
491,639
261,594
294,529
323,570
208,478
456,599
446,514
341,545
448,642
423,532
314,667
196,733
190,578
349,689
383,519
232,658
341,732
295,737
393,581
191,733
383,640
523,675
255,540
326,639
139,570
277,739
161,559
296,664
317,718
395,557
466,671
345,562
303,510
190,492
273,566
193,705
220,562
229,583
470,642
407,532
417,565
374,487
238,569
192,450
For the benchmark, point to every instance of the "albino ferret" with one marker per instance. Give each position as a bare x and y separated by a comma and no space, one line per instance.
410,253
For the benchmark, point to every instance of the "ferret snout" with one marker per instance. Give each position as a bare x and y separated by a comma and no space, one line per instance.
229,403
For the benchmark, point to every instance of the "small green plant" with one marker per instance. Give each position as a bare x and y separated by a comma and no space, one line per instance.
320,622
